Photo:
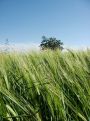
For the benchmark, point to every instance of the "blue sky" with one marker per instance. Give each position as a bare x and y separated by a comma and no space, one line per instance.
26,21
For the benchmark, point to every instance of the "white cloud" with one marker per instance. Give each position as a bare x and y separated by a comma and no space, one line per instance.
20,47
34,47
74,47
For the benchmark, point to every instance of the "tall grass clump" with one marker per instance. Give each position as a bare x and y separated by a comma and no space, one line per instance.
45,86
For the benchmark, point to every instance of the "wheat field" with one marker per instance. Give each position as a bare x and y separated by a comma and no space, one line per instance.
45,86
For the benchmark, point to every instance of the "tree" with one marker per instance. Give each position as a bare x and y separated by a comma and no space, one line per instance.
51,43
6,45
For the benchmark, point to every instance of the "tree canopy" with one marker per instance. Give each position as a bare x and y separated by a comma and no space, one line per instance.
51,43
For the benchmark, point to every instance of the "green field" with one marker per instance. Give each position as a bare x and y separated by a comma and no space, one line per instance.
45,86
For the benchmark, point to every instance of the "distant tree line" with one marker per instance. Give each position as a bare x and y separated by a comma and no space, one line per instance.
46,43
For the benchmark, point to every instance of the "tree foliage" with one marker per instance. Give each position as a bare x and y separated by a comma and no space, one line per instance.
51,43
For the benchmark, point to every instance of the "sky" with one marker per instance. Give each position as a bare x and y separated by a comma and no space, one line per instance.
24,22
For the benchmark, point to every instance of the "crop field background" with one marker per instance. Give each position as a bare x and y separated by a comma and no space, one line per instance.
45,86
